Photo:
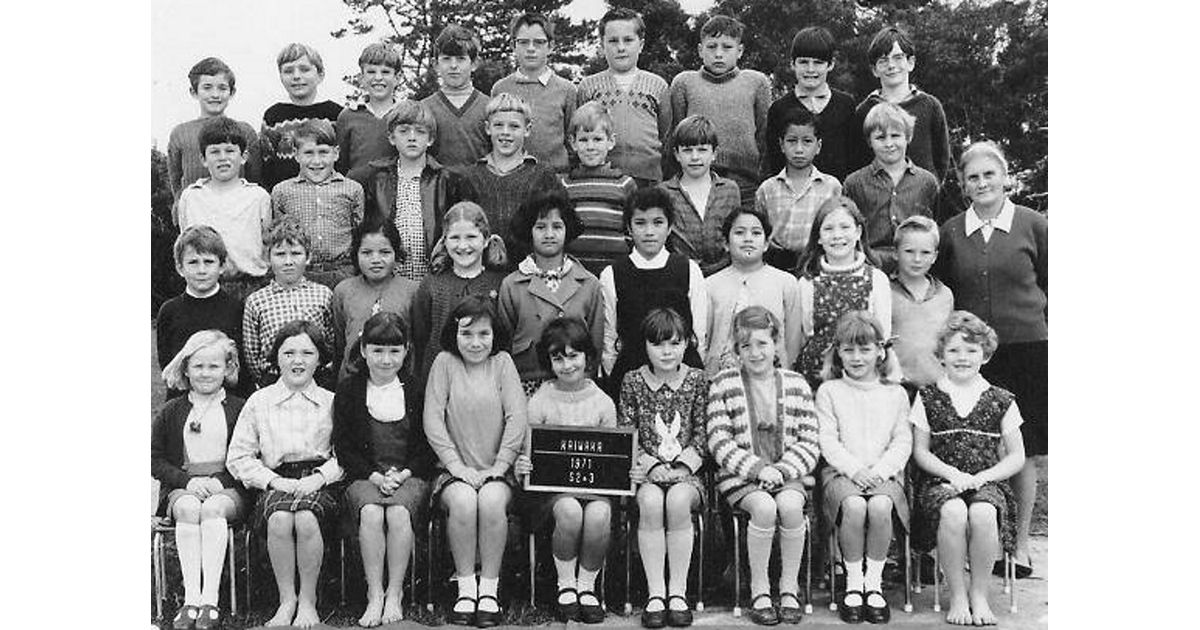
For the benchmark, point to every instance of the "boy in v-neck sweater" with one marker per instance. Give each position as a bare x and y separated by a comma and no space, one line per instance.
458,107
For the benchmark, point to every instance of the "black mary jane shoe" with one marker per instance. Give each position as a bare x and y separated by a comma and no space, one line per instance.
657,618
790,614
590,613
851,614
464,618
488,619
876,614
764,616
679,618
570,611
185,617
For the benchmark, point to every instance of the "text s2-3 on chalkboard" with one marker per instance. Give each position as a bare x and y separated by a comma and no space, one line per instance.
595,460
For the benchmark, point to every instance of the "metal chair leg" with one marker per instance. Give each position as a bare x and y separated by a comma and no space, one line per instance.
832,563
628,562
232,572
156,571
737,567
700,565
532,569
908,607
808,607
937,582
247,541
1010,580
342,571
431,542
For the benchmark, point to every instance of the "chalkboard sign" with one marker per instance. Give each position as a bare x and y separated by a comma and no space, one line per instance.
595,460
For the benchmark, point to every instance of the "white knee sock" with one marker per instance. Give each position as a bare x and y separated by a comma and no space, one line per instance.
214,534
854,581
758,549
791,550
566,572
466,588
587,581
679,557
488,586
873,580
187,543
652,547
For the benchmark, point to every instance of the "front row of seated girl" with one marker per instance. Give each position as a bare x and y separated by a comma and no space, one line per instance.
306,450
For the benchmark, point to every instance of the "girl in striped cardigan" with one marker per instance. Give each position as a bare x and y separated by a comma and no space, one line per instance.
762,432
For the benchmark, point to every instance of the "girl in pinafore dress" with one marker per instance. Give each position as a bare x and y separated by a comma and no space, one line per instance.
837,274
377,249
282,445
380,442
866,441
967,441
475,422
665,400
762,432
582,522
187,456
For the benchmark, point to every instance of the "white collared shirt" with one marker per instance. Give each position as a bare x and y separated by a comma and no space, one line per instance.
697,298
279,425
1003,221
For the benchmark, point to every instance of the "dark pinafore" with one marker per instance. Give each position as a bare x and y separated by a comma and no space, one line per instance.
834,294
970,444
639,291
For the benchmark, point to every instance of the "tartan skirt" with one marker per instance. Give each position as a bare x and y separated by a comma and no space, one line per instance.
323,503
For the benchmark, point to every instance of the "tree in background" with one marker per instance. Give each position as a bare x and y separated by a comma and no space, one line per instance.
412,26
164,282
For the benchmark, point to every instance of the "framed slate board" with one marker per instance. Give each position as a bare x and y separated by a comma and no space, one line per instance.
595,460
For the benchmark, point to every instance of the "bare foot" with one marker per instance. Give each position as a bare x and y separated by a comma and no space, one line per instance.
371,616
306,615
960,612
393,608
285,613
981,613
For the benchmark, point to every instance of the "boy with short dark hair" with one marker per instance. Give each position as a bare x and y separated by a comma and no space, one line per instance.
289,296
734,99
535,82
362,130
701,198
458,107
238,210
893,56
792,196
327,204
597,190
412,190
200,255
507,176
891,188
637,100
301,70
213,85
812,61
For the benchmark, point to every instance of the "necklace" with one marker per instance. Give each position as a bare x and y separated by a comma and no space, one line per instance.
198,415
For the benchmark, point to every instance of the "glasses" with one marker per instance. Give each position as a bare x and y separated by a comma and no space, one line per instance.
535,43
896,59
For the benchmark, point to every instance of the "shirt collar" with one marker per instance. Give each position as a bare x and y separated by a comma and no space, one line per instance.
1003,221
488,161
219,397
877,166
815,176
655,383
935,285
641,262
543,78
275,286
200,183
335,177
278,393
822,94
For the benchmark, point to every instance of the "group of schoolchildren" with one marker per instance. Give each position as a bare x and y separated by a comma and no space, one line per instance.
445,273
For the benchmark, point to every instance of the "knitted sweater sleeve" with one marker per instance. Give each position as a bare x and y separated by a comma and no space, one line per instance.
437,394
693,455
803,448
832,448
726,402
899,448
516,423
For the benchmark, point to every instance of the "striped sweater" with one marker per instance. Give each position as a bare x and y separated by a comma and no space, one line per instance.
730,427
599,195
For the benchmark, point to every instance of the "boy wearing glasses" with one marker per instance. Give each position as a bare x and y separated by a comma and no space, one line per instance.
894,57
812,60
551,96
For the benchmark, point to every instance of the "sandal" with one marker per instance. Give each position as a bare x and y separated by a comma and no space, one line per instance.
852,614
657,618
462,618
766,616
209,619
873,614
488,619
790,614
679,618
590,613
570,610
185,617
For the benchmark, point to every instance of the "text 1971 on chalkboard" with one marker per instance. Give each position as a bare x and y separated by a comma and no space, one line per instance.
595,460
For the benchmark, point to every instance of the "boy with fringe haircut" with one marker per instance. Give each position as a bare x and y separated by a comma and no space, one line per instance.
700,197
301,70
458,107
362,130
213,85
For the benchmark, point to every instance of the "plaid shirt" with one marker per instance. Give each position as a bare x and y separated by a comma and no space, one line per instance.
279,425
791,212
329,212
269,308
885,205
